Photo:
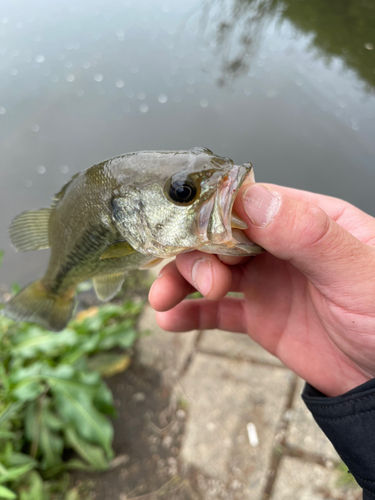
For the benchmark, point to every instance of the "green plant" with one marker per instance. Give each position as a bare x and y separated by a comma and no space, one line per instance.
345,477
54,406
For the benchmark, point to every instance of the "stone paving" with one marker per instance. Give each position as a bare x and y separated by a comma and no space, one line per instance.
248,434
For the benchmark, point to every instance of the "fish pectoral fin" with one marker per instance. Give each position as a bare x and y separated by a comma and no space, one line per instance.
29,231
107,286
118,249
151,264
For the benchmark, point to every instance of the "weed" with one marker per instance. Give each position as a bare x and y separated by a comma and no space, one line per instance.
54,404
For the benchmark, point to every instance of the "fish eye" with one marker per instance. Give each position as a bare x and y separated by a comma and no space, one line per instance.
181,191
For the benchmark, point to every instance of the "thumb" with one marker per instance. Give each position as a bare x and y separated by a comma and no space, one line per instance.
303,234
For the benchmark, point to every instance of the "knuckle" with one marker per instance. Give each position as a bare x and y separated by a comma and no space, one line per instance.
313,226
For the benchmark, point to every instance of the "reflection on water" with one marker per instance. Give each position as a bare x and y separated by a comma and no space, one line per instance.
339,29
335,29
236,27
286,84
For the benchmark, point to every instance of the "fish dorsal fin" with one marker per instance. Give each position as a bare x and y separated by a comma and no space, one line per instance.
106,287
29,230
60,195
116,250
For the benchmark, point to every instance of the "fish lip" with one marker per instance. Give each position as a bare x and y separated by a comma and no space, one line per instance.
219,229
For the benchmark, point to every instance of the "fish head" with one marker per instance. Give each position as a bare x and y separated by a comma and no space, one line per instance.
184,204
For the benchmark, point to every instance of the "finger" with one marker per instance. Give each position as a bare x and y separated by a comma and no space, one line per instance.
302,233
206,273
347,215
169,288
230,260
211,277
201,314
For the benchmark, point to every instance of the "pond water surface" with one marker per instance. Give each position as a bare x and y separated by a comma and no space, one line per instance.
286,84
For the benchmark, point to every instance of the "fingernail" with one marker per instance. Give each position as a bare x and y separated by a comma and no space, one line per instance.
261,205
202,276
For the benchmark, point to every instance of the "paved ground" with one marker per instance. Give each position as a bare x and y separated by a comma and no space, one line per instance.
247,430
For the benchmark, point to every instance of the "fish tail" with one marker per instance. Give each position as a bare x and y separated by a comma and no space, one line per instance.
36,304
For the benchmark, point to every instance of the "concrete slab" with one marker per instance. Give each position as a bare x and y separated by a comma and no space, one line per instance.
223,396
235,345
304,433
163,350
301,480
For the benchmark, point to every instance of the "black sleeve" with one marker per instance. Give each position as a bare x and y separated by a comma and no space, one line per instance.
349,423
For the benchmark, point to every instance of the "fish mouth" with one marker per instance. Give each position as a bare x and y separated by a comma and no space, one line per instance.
220,223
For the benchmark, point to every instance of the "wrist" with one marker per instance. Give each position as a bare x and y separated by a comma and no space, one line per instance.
344,384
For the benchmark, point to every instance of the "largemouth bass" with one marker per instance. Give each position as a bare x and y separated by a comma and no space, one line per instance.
125,213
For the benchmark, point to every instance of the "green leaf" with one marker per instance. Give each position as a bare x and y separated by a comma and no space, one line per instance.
73,464
118,336
20,374
35,489
32,421
77,464
6,435
40,424
86,345
1,257
89,324
36,340
89,343
52,446
28,390
16,288
74,394
72,495
108,311
77,409
14,473
103,400
6,493
3,377
92,454
9,411
11,458
21,459
6,453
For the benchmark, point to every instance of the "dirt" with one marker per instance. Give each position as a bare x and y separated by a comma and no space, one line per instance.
148,435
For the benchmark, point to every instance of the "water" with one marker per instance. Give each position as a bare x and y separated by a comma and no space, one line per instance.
286,84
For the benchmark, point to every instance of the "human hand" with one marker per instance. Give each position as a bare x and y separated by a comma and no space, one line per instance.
309,299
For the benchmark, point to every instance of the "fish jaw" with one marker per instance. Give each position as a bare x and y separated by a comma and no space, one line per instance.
223,229
219,228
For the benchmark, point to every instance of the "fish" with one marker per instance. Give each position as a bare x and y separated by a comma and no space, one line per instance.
128,212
